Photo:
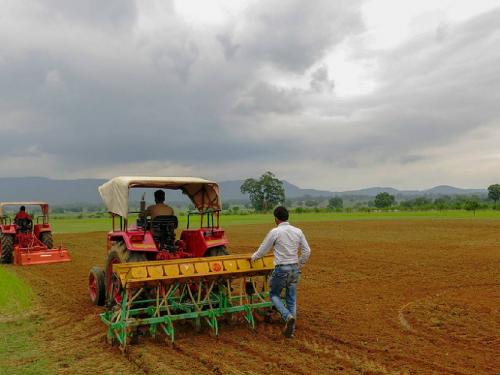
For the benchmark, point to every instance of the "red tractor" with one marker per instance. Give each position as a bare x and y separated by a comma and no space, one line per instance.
155,239
25,243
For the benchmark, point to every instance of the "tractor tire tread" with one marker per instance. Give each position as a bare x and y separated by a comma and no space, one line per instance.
46,239
7,242
98,274
216,251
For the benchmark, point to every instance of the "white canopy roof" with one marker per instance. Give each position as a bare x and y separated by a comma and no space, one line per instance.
203,193
44,206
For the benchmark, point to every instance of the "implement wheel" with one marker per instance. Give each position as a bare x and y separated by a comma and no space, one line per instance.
46,239
6,248
118,254
97,291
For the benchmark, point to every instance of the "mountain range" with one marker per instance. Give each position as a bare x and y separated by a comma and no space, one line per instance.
63,192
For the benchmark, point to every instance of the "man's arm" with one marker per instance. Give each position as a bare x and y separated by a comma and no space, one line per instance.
305,252
265,246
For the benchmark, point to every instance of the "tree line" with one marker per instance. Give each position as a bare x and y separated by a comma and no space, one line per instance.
267,192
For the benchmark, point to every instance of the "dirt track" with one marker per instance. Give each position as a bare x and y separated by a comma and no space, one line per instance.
377,297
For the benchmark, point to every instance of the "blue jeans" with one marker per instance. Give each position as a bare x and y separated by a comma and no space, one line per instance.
285,277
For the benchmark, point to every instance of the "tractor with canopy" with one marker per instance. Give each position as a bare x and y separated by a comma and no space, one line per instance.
23,242
152,279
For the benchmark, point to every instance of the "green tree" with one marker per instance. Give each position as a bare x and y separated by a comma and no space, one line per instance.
441,203
494,193
421,202
264,193
335,203
384,200
311,203
471,205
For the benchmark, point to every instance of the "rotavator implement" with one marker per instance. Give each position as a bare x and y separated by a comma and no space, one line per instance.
24,243
152,280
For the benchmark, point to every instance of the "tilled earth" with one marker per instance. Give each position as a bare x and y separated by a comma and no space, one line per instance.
377,297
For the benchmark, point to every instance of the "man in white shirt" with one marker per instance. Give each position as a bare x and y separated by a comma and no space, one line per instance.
286,240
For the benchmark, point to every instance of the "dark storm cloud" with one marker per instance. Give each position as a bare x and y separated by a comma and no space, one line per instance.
265,98
109,13
228,45
320,80
118,99
294,34
88,87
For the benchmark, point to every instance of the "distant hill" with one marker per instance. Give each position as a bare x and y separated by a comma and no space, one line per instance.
53,191
370,192
64,192
435,191
450,190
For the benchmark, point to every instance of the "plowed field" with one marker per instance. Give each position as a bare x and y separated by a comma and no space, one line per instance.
377,297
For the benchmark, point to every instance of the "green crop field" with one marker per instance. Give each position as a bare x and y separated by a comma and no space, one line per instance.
18,349
79,225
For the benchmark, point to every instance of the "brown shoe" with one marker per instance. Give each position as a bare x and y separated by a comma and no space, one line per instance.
289,326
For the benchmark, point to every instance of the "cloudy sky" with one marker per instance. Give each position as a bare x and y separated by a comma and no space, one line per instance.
326,94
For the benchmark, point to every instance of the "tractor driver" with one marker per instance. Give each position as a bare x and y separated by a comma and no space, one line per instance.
22,214
160,208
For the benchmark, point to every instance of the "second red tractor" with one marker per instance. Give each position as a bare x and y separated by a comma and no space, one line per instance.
25,242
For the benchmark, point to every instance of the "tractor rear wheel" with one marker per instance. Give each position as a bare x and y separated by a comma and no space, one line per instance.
118,254
7,247
97,290
46,239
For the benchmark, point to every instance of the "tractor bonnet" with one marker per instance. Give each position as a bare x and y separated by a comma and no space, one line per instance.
204,194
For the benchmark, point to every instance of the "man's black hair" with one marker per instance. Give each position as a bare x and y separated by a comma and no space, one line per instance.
281,213
22,208
159,196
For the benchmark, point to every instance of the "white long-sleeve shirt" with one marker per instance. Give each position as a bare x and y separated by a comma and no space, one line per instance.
286,240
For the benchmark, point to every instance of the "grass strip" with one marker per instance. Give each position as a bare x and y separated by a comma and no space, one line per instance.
75,225
19,353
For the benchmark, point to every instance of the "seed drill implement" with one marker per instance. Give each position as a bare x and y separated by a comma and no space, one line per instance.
153,281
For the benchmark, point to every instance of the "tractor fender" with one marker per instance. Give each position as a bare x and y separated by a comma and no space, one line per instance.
41,228
8,229
198,243
133,240
216,243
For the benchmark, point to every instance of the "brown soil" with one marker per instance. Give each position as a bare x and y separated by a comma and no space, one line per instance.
377,297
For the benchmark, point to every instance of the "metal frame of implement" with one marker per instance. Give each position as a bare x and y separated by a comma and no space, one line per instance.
158,293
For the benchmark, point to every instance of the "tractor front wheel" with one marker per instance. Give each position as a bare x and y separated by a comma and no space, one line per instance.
46,239
7,248
118,254
97,290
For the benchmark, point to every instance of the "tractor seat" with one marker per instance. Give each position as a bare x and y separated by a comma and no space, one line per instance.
163,229
24,225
